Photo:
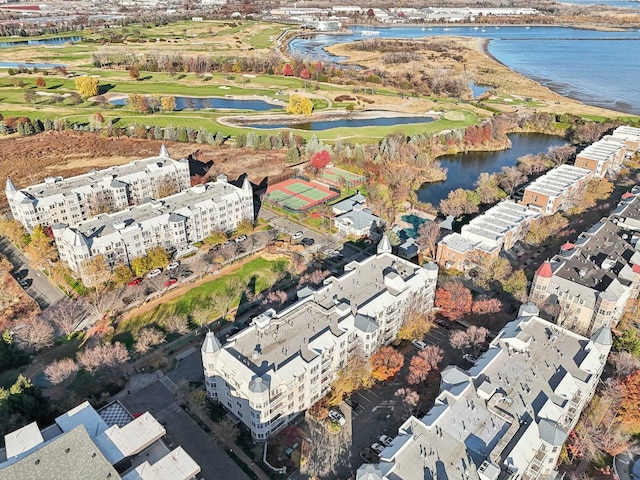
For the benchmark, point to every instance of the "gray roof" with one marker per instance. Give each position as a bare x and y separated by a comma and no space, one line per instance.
551,432
602,336
454,375
365,323
71,456
360,219
211,343
257,385
369,471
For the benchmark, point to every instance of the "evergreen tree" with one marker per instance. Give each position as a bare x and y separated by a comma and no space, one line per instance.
158,134
241,140
182,134
202,136
293,155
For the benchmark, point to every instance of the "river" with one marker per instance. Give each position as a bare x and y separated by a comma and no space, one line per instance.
465,168
595,67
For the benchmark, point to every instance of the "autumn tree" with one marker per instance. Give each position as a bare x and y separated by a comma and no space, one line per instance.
224,298
417,320
87,86
244,227
30,96
134,72
473,337
459,202
274,299
386,362
488,188
122,274
101,356
147,338
492,269
560,154
299,105
454,300
216,237
423,363
510,178
95,271
165,187
629,401
516,285
138,103
410,397
320,409
356,375
59,370
486,306
40,250
305,74
40,83
96,119
287,71
320,159
544,227
158,257
597,189
624,363
202,315
168,103
428,234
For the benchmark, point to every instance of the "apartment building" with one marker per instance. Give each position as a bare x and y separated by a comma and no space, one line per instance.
589,283
556,189
497,229
602,156
630,136
285,361
84,443
508,415
75,199
174,223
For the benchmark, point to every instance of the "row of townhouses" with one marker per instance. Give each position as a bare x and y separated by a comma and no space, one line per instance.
174,222
75,199
500,227
84,443
285,361
506,417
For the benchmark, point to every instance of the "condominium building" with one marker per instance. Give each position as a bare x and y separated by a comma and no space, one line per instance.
87,444
556,189
589,283
602,156
285,361
174,222
507,416
497,229
630,136
75,199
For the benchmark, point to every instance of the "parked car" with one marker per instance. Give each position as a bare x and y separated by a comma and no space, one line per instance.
154,273
227,243
239,239
134,282
385,440
352,403
173,265
419,344
337,416
376,447
186,273
443,323
26,283
169,282
297,236
307,242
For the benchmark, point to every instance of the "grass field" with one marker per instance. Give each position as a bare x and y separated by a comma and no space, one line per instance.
256,275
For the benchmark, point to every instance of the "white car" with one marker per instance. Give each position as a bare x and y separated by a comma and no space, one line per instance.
239,239
173,265
154,273
337,416
297,235
376,447
420,345
385,440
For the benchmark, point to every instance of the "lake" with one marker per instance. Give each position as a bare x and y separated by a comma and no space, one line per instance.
200,103
465,168
44,41
594,67
347,122
30,65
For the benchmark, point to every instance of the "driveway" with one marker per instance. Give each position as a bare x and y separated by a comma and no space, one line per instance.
290,227
39,287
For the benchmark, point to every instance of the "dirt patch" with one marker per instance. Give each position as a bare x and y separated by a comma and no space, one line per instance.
28,160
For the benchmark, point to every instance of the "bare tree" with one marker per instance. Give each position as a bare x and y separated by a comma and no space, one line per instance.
202,315
107,355
473,337
561,154
625,363
58,371
35,333
65,315
428,234
510,178
177,324
147,338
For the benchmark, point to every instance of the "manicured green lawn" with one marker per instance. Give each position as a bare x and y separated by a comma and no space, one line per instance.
256,275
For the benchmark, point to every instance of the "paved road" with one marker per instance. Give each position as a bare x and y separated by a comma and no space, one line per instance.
624,464
290,227
39,287
159,398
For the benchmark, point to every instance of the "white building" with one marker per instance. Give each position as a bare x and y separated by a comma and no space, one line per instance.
285,361
79,198
84,443
174,222
508,415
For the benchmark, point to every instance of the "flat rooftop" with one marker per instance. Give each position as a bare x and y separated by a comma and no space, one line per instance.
558,180
602,150
499,220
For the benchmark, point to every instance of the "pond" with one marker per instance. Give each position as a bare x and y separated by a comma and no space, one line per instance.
30,65
465,168
44,41
477,90
201,103
346,122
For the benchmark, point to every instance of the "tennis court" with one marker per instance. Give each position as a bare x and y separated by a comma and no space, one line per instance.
298,194
336,176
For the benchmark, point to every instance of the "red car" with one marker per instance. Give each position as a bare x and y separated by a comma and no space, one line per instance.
134,282
169,282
